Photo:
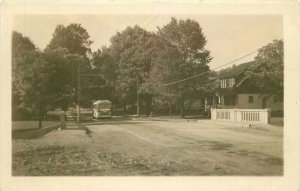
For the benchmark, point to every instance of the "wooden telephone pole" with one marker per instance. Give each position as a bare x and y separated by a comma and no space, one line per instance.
137,97
78,93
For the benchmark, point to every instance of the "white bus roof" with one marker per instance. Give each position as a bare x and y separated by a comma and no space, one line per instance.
102,101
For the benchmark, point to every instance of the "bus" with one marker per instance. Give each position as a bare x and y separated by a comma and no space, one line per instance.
101,109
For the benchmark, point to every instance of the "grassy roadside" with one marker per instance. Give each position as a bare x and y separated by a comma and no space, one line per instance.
29,125
30,130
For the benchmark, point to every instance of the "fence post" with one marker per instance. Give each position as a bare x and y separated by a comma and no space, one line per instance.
235,114
213,114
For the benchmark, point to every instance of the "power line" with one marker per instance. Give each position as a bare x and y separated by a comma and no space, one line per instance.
171,83
152,20
143,21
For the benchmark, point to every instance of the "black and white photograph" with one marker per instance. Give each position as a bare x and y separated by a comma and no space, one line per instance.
148,95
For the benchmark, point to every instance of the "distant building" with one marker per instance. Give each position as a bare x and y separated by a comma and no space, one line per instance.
237,91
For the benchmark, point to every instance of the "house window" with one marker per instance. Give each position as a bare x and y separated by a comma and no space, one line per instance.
221,83
250,99
231,82
227,83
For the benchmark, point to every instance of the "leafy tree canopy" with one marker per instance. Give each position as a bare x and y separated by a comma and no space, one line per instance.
132,52
186,48
74,38
180,54
267,72
21,44
72,42
105,65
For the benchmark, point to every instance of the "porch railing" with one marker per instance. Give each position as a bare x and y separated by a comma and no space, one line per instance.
242,115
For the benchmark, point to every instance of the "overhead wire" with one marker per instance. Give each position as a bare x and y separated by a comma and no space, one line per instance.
151,20
185,79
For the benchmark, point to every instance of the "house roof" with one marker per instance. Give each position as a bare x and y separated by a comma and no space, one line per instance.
234,70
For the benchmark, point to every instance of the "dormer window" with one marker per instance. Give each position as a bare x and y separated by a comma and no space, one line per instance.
227,83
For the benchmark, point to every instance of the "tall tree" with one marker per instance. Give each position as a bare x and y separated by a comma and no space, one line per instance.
267,72
75,41
42,80
131,50
186,47
38,85
21,45
105,68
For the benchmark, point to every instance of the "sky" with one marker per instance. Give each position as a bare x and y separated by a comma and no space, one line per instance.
229,37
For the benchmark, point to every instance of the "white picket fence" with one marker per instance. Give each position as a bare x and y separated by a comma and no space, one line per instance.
242,115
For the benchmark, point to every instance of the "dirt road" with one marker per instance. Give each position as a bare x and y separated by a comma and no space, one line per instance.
137,147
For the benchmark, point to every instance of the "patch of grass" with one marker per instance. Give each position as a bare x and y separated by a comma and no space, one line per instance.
72,161
219,170
50,161
274,161
220,146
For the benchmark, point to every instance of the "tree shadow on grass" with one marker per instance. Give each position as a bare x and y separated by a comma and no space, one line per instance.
33,133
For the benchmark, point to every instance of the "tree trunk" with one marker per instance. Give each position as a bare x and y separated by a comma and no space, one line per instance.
170,107
149,106
190,106
137,97
132,109
182,112
138,106
40,120
124,106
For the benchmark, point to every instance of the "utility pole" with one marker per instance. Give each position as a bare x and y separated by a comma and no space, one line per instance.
137,97
170,107
78,93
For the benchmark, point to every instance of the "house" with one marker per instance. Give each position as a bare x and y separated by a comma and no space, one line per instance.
237,91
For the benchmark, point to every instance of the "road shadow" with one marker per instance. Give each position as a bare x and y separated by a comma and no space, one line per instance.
114,123
35,133
88,132
90,119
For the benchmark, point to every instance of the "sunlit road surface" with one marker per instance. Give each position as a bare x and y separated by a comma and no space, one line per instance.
151,148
